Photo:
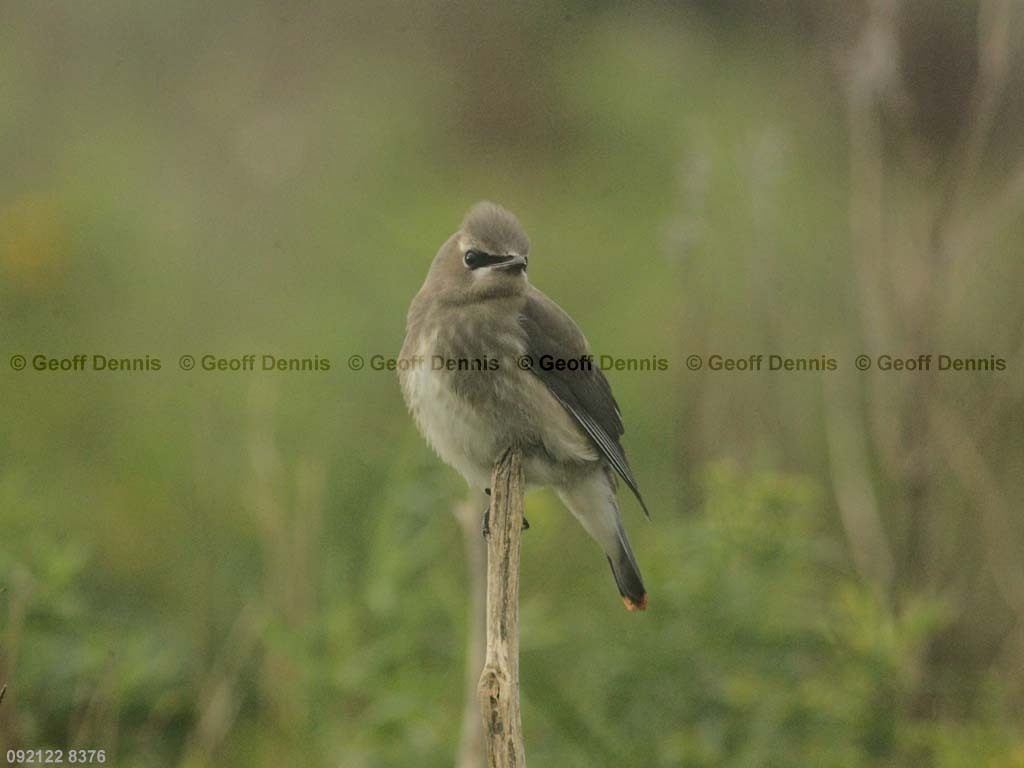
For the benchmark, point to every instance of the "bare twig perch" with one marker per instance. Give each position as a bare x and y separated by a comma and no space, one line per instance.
471,743
499,682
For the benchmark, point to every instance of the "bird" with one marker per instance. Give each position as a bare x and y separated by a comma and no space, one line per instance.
490,362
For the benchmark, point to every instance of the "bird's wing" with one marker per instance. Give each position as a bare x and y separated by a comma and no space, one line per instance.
585,393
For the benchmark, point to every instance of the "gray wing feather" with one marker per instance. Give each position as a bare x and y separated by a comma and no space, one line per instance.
585,394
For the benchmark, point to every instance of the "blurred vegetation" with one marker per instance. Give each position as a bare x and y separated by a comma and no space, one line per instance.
203,569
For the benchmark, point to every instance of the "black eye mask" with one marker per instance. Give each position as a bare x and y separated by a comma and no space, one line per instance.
475,259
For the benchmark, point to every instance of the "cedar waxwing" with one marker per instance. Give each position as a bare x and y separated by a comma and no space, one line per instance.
486,365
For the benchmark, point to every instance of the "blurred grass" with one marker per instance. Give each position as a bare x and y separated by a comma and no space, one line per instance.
218,569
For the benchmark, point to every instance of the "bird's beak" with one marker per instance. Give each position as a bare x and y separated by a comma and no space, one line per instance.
512,264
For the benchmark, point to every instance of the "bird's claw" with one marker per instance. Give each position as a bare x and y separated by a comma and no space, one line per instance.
485,526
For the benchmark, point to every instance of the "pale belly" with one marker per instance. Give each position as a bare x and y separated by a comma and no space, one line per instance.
462,439
472,439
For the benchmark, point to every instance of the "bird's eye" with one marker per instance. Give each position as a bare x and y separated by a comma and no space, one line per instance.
474,259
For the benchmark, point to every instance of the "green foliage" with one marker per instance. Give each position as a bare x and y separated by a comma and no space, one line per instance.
757,650
261,570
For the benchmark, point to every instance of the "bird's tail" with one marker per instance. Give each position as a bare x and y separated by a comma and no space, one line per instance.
592,501
627,575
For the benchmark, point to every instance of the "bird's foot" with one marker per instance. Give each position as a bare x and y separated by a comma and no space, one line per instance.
485,526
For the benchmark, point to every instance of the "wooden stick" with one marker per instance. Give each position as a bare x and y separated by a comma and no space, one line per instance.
498,690
472,752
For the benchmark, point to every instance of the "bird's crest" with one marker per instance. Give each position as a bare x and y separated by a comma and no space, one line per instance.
490,224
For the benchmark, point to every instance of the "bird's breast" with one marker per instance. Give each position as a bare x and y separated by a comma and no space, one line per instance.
445,406
468,391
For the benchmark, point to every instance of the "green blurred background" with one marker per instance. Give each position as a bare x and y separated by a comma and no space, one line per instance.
256,569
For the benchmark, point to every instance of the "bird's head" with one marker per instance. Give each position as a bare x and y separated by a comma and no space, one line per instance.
486,258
